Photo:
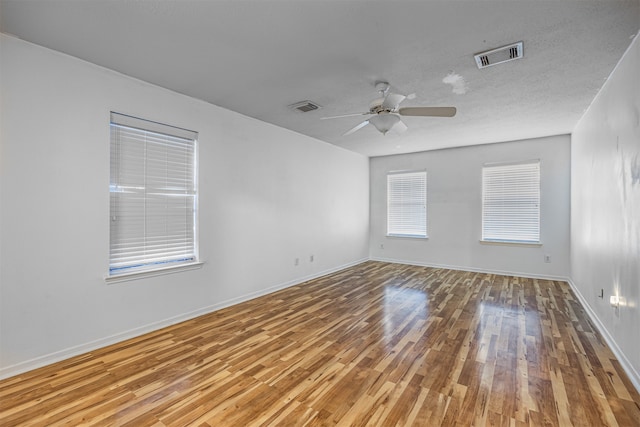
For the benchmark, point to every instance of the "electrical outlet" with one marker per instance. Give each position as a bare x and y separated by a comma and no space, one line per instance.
547,258
296,261
311,258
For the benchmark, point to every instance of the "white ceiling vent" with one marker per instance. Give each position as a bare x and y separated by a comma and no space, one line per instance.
499,55
305,106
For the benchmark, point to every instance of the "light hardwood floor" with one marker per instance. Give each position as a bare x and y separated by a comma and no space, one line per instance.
377,344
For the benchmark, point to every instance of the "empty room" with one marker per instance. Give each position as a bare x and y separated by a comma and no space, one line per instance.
319,213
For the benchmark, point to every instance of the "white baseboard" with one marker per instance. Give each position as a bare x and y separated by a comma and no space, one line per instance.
472,269
58,356
633,375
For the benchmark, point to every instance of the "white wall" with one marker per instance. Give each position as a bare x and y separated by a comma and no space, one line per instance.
605,209
454,209
267,196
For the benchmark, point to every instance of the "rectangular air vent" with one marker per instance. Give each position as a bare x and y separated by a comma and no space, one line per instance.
499,55
305,106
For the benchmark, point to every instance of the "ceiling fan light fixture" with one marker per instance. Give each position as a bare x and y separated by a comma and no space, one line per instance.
384,121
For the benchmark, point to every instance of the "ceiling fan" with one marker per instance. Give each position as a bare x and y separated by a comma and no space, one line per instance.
386,111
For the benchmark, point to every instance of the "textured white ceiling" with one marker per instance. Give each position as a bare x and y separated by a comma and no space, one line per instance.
257,57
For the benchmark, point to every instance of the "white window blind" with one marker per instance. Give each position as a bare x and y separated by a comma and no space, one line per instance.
407,204
153,195
511,202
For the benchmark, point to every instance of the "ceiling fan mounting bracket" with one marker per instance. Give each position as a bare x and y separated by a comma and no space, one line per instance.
382,87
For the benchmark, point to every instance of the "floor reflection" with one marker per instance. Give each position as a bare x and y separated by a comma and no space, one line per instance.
400,305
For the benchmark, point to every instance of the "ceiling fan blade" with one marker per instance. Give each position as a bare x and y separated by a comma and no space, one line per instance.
345,115
358,127
428,111
392,100
399,127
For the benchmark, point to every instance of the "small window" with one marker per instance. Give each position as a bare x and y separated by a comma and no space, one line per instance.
407,204
511,202
153,196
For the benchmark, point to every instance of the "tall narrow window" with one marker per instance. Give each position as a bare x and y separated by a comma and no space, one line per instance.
407,204
153,196
511,202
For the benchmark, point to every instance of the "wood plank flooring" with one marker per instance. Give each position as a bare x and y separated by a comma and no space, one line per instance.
375,345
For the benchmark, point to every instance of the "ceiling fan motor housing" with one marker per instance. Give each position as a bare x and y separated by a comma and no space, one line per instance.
375,107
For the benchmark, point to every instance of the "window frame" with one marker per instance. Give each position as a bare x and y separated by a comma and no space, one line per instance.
393,229
178,193
531,190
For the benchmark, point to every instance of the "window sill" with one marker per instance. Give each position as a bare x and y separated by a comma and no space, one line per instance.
510,243
135,275
407,236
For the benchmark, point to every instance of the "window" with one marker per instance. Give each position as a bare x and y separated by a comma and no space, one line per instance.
153,196
511,202
407,204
